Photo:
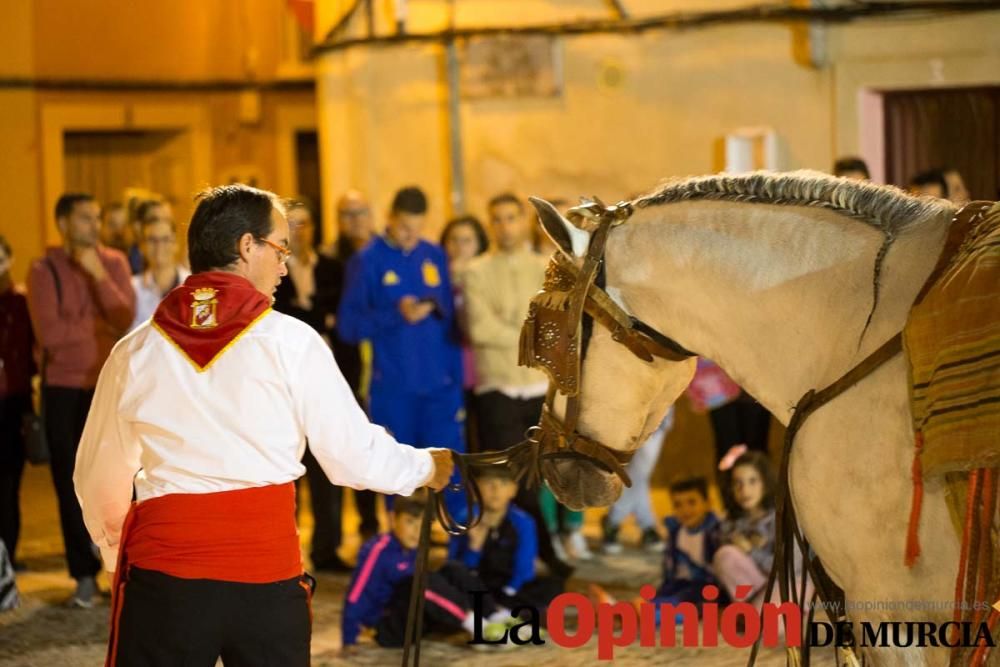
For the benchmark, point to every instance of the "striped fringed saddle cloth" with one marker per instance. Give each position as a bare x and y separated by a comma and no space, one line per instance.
952,340
8,585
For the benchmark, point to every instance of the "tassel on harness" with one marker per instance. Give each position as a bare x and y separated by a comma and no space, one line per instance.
917,474
526,344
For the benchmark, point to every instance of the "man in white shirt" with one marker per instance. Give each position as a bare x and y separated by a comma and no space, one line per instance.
206,410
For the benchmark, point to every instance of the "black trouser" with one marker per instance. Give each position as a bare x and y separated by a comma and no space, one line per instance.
327,508
326,505
537,593
449,601
741,421
65,415
502,420
502,423
12,411
365,501
166,621
471,422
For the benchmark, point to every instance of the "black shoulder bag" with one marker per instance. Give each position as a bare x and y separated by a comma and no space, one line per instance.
36,446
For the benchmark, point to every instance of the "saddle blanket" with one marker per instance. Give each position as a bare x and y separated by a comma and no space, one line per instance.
952,340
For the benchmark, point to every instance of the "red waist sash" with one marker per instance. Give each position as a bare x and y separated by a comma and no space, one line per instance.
246,536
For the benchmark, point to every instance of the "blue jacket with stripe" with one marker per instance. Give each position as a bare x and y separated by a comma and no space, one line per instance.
383,563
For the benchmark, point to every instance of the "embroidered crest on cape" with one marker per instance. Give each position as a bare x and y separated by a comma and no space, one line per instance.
432,277
203,308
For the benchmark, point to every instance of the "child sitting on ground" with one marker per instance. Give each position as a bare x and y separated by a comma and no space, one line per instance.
692,533
379,592
746,536
501,549
691,543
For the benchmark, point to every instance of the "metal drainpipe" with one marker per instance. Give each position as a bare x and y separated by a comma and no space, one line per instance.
455,122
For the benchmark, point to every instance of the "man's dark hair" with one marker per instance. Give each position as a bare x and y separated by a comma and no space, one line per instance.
68,201
482,239
143,210
412,505
698,484
496,472
113,206
410,200
5,246
224,214
506,198
930,177
760,462
851,163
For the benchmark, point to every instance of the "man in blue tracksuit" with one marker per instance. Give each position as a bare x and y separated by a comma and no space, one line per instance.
398,295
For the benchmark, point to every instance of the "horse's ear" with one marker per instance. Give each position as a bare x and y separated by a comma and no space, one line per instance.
569,238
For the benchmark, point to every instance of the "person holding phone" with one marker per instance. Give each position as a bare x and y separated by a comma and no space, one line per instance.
398,295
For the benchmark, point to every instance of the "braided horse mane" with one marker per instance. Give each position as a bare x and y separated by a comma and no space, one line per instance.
886,209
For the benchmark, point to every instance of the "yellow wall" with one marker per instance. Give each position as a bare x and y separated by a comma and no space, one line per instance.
128,41
152,39
20,184
383,112
209,144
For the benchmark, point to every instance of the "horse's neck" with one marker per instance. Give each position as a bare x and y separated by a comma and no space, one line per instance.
776,295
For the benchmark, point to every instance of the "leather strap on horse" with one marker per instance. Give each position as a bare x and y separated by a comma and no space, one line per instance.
555,441
578,301
642,340
788,534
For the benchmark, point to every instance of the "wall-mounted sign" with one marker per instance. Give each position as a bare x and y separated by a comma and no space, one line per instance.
511,66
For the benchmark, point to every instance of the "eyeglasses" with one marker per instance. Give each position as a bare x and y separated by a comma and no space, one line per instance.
283,252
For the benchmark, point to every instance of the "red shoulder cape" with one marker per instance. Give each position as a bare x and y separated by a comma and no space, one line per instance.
208,313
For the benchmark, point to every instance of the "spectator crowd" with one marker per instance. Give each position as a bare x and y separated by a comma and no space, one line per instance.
426,335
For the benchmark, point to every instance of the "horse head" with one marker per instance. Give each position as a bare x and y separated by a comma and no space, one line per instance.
622,397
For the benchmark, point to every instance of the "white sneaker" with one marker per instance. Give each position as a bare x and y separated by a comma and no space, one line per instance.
501,615
578,545
613,548
557,546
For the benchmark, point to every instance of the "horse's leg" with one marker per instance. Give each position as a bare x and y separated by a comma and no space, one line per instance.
851,485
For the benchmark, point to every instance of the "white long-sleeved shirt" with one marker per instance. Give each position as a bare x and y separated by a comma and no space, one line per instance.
148,295
243,422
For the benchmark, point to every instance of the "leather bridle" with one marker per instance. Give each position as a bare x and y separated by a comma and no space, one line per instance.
555,337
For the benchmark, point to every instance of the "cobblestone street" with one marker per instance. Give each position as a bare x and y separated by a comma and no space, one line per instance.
44,634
